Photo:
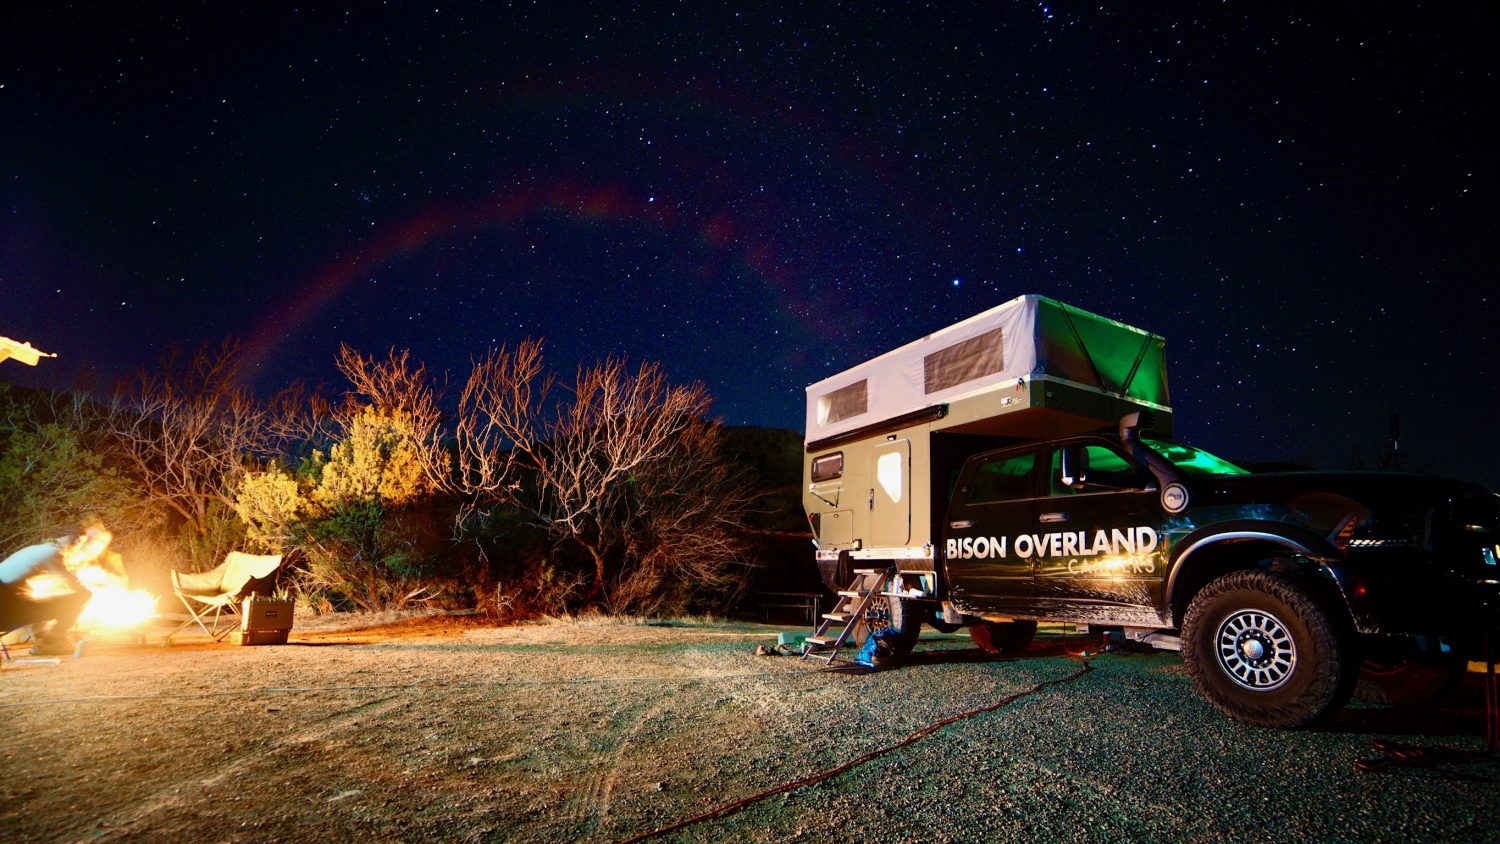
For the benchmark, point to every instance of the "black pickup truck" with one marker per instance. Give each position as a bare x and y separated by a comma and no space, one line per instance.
1286,592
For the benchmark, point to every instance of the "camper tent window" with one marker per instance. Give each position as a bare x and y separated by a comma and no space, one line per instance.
844,403
963,362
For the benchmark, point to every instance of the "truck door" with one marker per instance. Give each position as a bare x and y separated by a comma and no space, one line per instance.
1100,545
995,500
890,498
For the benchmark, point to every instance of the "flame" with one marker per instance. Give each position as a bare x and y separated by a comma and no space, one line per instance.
113,604
117,607
42,586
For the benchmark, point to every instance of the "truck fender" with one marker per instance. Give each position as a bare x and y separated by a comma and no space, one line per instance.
1187,553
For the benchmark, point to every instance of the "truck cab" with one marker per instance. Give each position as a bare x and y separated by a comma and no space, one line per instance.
1286,592
1070,530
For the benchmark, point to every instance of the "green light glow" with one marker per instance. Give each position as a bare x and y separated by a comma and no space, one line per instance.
1194,461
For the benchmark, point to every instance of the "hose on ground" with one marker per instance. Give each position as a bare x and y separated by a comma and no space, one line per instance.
914,736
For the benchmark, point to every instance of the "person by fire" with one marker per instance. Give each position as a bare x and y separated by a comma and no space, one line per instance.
57,559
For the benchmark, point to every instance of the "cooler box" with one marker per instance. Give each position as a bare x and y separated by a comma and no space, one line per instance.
264,621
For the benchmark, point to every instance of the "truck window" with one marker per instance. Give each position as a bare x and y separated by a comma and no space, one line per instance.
1108,470
1002,479
1194,461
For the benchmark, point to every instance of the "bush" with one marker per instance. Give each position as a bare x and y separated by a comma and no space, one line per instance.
205,546
364,554
54,477
356,515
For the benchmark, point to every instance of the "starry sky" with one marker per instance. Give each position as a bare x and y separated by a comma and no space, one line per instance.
760,195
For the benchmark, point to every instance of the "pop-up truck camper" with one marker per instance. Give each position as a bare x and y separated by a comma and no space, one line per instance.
1017,467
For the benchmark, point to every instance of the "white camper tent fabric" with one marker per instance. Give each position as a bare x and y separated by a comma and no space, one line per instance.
998,346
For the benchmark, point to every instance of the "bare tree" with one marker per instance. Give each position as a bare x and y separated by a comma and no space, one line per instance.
686,523
186,429
300,418
499,427
627,464
396,386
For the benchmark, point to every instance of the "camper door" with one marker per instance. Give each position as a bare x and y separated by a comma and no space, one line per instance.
890,498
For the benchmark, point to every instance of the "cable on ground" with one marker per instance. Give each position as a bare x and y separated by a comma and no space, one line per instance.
1397,755
730,808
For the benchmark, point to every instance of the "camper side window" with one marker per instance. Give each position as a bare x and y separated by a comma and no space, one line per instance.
1002,479
828,467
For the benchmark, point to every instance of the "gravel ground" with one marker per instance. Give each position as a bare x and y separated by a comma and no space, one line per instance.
601,731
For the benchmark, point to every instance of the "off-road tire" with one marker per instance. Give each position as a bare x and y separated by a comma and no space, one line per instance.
899,614
1407,681
1002,637
1263,650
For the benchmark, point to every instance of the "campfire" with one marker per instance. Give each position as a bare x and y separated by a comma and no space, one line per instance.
114,605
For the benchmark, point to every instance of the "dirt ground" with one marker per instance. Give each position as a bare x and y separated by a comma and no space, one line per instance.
442,728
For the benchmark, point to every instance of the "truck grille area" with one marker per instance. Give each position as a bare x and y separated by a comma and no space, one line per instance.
1425,571
1390,529
1466,536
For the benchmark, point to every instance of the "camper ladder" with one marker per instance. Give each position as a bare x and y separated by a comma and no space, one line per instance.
846,613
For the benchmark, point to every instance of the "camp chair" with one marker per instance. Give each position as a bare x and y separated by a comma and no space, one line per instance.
219,589
5,634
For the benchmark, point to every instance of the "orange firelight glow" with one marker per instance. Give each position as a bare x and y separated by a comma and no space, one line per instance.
113,605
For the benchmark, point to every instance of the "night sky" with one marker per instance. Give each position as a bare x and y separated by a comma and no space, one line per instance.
761,196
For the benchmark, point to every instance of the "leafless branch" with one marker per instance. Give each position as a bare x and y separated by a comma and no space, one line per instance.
186,429
397,385
624,468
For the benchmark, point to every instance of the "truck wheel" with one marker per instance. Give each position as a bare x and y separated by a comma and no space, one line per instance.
1409,680
1264,651
886,613
1002,637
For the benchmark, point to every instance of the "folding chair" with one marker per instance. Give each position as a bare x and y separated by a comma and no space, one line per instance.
219,589
5,651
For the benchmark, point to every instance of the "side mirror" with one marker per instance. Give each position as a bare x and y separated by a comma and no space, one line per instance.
1075,466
